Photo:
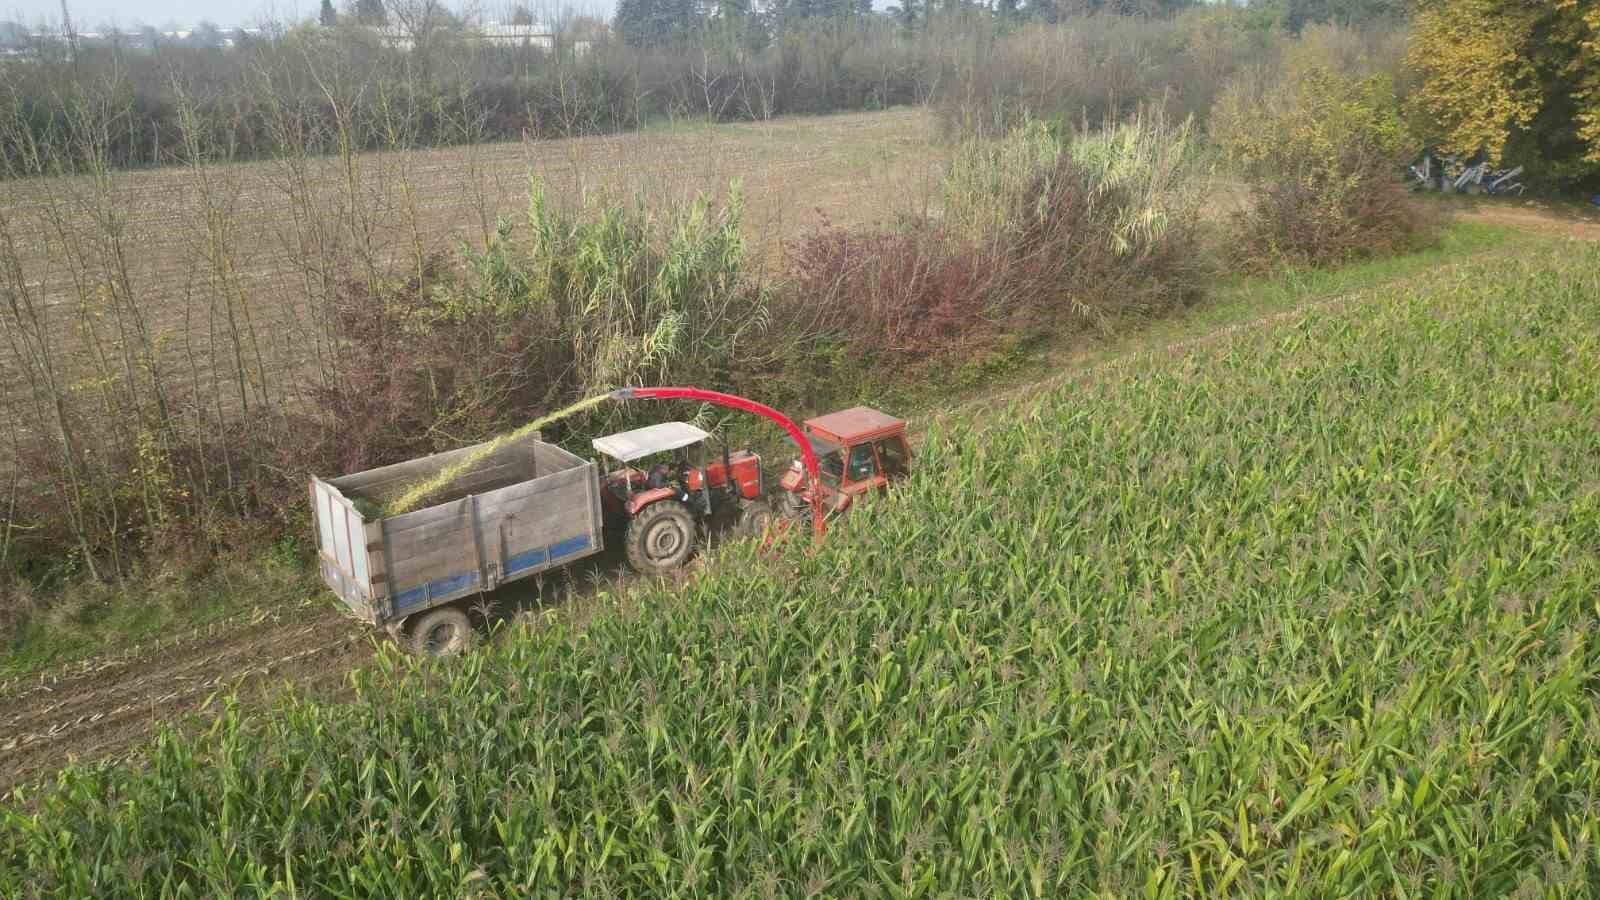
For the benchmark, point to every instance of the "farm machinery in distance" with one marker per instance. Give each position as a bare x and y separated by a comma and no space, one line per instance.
528,507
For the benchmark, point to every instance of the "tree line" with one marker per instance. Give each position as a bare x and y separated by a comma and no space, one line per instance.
724,59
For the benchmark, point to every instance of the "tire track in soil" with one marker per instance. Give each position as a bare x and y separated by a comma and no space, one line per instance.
109,707
113,710
74,675
102,681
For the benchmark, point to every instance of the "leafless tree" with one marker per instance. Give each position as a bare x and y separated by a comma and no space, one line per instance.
709,76
420,21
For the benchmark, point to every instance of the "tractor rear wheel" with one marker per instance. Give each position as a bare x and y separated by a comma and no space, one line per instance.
445,631
660,537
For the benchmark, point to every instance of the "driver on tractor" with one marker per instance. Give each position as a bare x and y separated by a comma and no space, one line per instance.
659,473
675,474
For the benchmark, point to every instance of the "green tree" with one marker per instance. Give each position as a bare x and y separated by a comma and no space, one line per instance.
1135,7
1297,14
909,13
1516,81
658,23
13,34
329,16
206,35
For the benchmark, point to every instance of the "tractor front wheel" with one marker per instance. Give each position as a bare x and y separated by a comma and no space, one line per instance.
754,519
661,537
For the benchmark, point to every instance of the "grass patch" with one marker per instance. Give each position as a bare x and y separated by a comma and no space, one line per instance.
155,603
1290,286
1308,611
1231,301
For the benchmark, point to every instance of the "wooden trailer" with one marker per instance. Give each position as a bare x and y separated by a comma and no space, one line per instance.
526,508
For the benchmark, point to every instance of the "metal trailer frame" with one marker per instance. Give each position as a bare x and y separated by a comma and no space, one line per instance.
524,509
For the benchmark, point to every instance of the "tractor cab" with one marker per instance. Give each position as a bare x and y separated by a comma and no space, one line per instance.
859,451
659,485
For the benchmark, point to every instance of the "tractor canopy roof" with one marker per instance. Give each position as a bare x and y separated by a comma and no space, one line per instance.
853,425
627,446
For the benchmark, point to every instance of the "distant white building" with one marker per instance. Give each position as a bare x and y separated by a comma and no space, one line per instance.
535,35
228,37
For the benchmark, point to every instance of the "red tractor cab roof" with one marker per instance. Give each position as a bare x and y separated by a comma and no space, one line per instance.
854,425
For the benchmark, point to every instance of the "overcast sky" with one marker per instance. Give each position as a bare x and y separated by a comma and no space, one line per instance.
88,15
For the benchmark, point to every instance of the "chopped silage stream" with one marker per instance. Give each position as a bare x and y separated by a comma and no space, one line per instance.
415,495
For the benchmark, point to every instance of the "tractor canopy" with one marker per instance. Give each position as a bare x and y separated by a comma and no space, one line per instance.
835,436
627,446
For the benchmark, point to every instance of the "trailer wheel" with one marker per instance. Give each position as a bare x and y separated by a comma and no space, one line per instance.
661,537
442,632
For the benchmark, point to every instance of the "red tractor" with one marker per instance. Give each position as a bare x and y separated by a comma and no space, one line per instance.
843,456
663,505
859,451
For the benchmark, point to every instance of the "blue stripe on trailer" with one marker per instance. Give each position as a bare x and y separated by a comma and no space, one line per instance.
440,587
408,599
451,584
527,560
570,546
521,562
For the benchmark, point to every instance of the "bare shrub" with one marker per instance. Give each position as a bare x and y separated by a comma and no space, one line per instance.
911,291
1086,70
1321,148
1311,221
575,305
1035,230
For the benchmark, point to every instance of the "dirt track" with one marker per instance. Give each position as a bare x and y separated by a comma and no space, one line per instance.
101,707
107,706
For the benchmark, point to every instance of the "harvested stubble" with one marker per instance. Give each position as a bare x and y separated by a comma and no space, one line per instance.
1307,613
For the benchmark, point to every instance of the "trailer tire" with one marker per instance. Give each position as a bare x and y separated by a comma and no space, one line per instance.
660,538
445,631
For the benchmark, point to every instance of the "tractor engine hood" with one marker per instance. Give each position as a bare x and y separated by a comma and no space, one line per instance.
794,483
794,479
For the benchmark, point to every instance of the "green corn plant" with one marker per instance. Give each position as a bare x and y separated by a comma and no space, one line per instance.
1307,610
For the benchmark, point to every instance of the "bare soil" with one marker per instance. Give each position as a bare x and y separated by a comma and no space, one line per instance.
100,708
1572,220
109,707
222,266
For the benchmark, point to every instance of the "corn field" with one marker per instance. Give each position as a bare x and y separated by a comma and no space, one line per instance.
1308,612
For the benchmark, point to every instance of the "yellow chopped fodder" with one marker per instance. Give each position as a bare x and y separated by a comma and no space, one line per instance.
422,490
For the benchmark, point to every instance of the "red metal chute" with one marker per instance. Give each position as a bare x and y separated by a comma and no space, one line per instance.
807,455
